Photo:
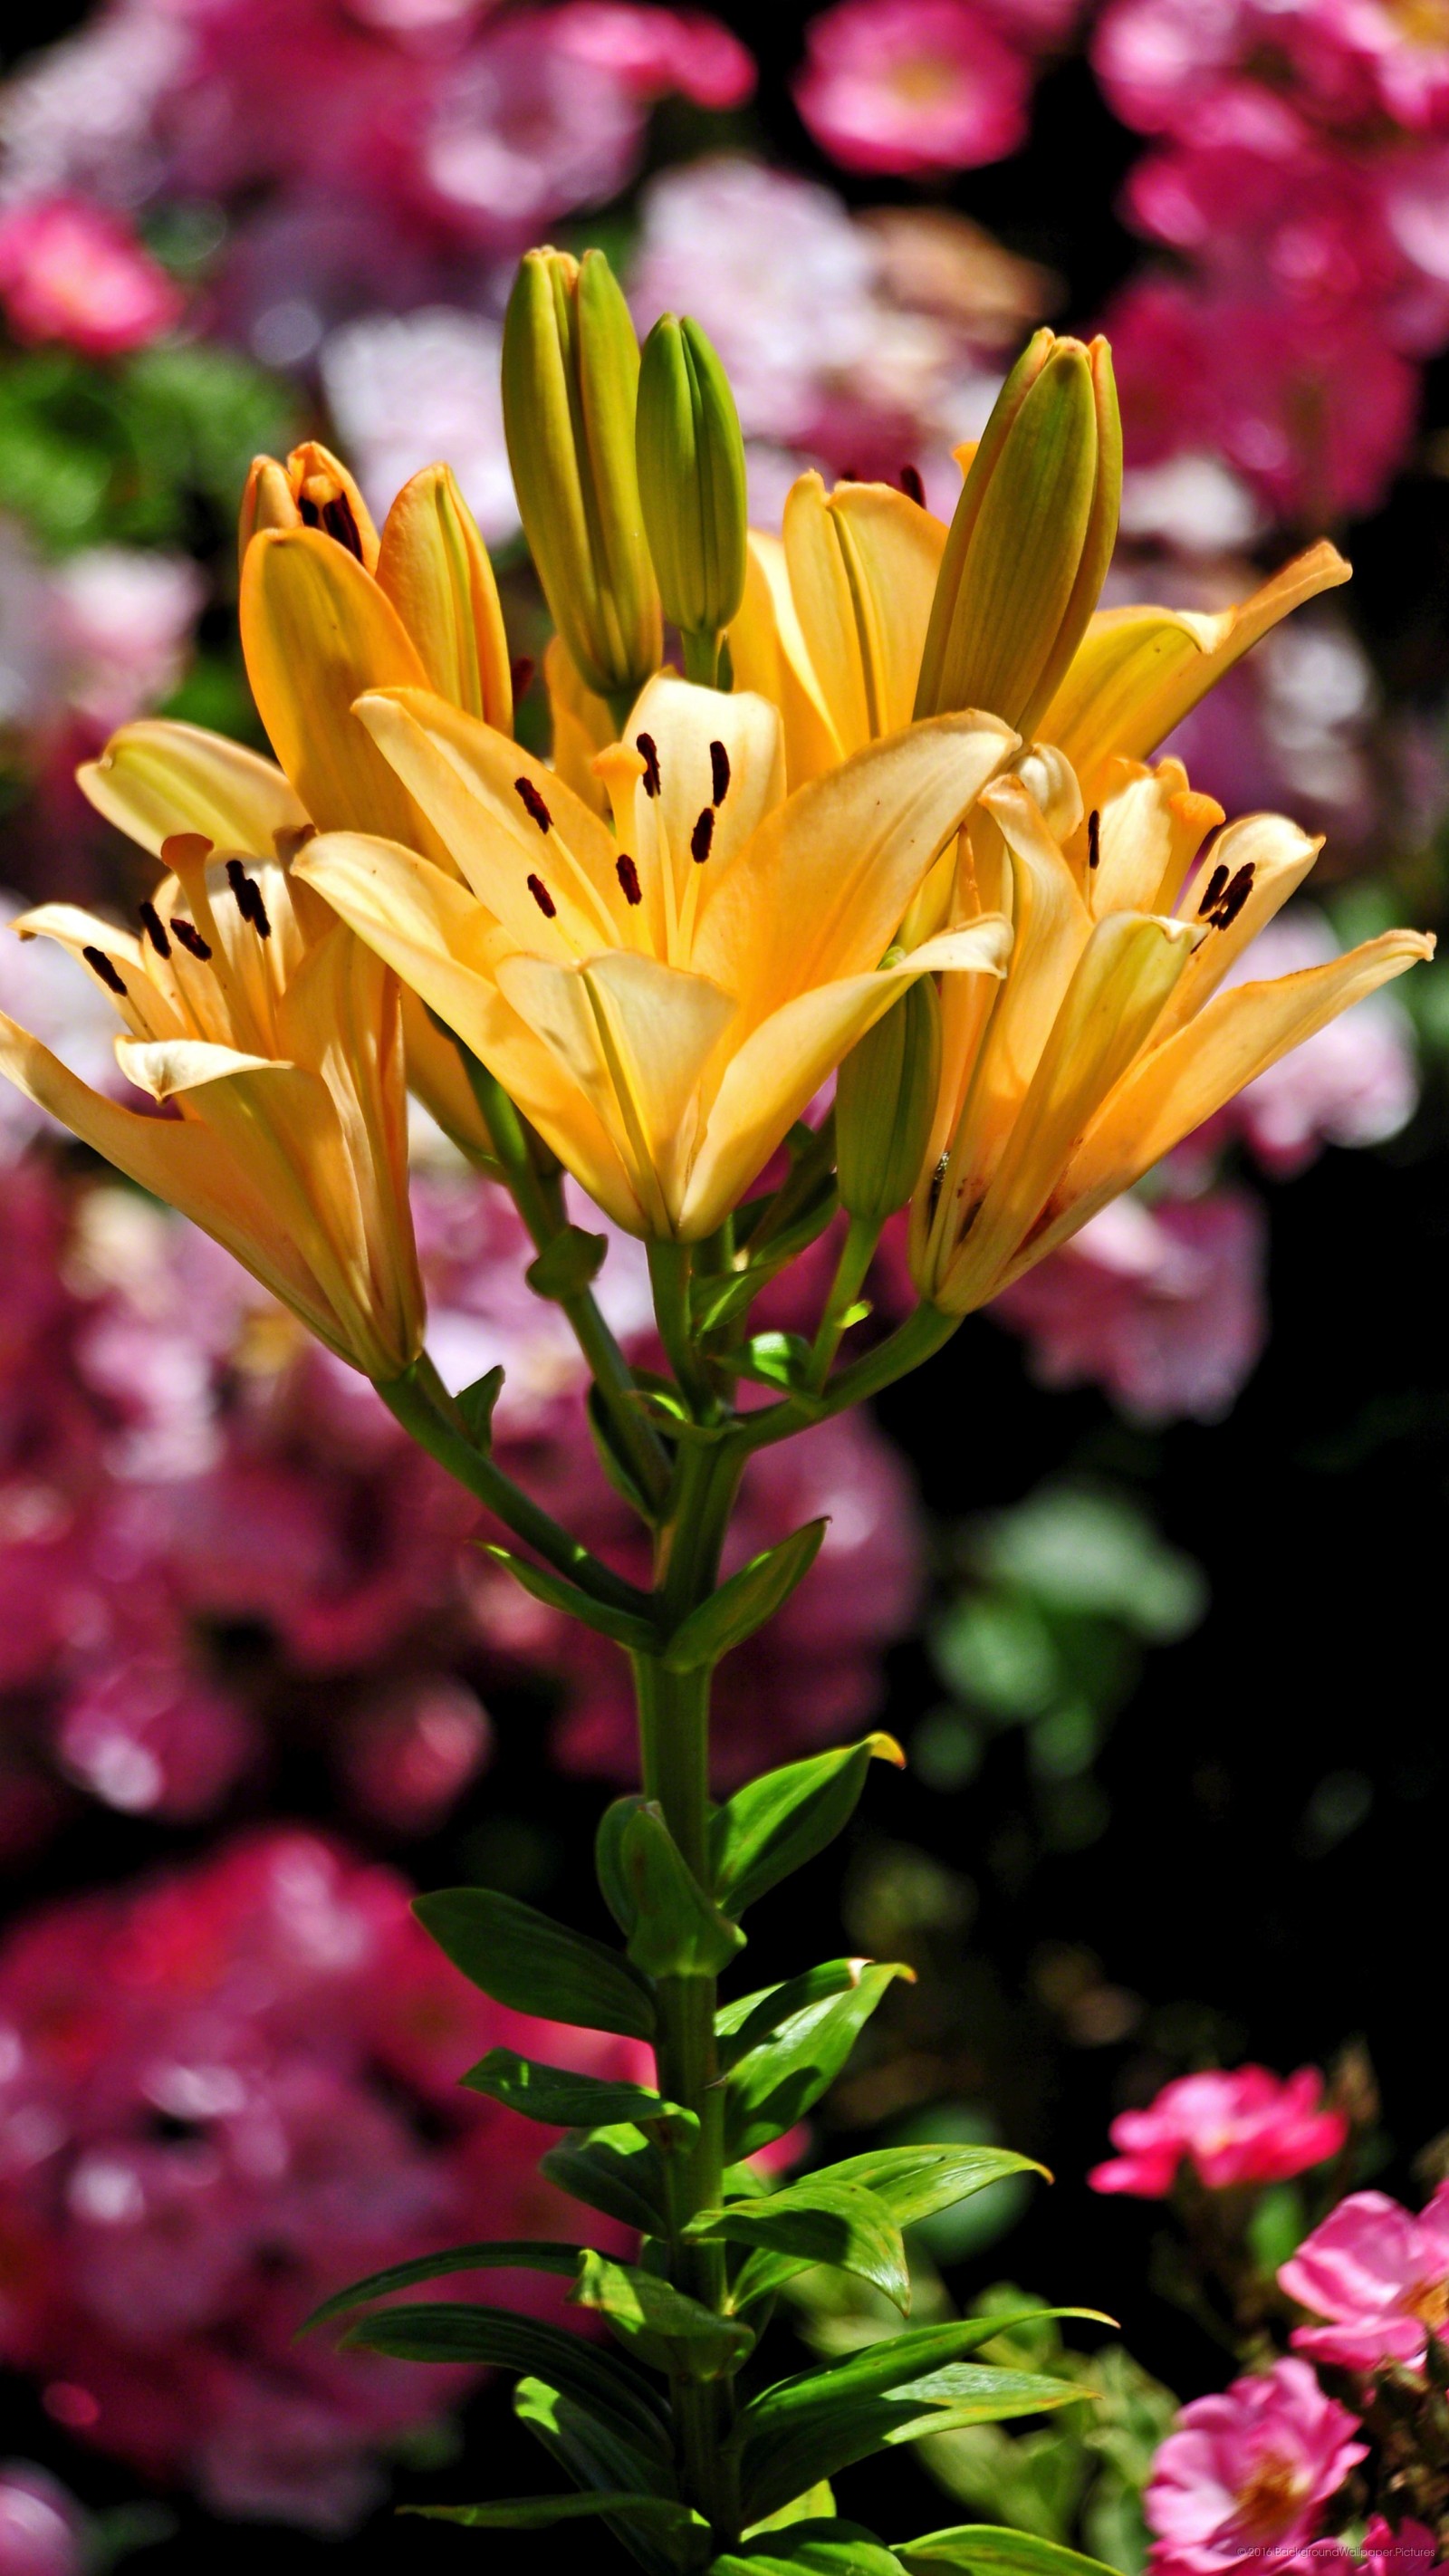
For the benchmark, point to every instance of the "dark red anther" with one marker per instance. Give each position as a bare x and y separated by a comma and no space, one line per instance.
1211,892
248,898
155,929
191,940
912,486
628,876
542,897
719,772
335,518
533,804
100,964
1094,839
645,744
1232,902
520,675
701,837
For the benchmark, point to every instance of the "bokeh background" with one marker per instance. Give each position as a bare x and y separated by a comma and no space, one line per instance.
1144,1572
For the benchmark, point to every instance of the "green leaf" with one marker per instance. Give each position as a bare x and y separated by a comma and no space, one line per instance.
601,2459
513,2254
744,1602
774,1825
660,2323
601,2382
810,2549
914,2182
817,2221
568,1265
984,2550
536,2513
775,2084
674,1928
817,2504
615,1460
742,2023
566,2101
775,1359
524,1959
476,1407
614,2169
636,1635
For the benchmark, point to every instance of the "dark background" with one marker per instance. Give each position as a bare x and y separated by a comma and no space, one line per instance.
1317,1512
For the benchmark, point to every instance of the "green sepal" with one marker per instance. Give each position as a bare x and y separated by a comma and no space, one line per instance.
744,1602
815,2221
568,1264
476,1405
637,1635
716,1301
659,2323
536,2513
524,1959
774,1359
776,1823
566,2101
504,2254
673,1928
614,2169
810,2549
984,2549
600,2458
747,2019
776,2083
603,2383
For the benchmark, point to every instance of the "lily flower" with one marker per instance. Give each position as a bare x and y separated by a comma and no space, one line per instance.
663,1001
1110,1040
270,1039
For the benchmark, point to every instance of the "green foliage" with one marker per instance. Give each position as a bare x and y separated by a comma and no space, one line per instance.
820,2220
661,2324
775,1824
538,2513
810,2549
673,1928
980,2549
476,1405
744,1602
776,2082
567,2101
568,1264
525,1960
626,1629
604,2384
613,2168
747,2019
504,2254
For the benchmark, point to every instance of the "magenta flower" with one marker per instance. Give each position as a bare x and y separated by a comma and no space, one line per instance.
1243,2126
1164,63
1379,2275
653,51
71,272
1412,2550
41,2528
910,86
1243,2480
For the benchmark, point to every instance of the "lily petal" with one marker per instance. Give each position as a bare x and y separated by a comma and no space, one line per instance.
769,655
1151,826
1256,864
155,778
862,563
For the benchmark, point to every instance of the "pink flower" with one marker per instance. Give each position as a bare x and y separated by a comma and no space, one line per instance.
41,2528
1163,63
1412,2550
1161,1306
1243,2480
69,271
653,51
1353,1084
912,85
1379,2275
122,622
1242,2127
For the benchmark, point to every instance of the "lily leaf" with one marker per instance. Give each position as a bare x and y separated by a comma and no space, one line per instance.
810,2549
914,2182
744,1602
636,1634
614,2169
747,2019
568,2101
776,2083
476,1404
567,1265
675,1929
504,2254
537,2513
591,2450
524,1959
817,2221
981,2549
603,2383
660,2323
775,1824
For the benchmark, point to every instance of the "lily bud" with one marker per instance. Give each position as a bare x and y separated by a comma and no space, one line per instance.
268,501
691,460
885,1100
570,380
1031,539
435,569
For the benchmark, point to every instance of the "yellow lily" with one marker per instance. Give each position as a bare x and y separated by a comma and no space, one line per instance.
662,1001
1110,1040
271,1038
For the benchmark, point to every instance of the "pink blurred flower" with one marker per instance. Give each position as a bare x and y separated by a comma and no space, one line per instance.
910,86
1246,2126
1353,1084
70,271
653,51
1412,2550
1163,1306
1163,63
42,2532
1244,2478
1379,2275
223,2094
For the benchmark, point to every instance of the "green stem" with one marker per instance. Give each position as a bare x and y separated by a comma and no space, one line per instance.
924,1331
856,1255
803,1178
669,1272
421,1403
701,657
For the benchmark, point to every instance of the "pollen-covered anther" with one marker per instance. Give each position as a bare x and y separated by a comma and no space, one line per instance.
1231,903
912,486
1212,891
628,876
1094,839
719,773
702,836
646,744
155,929
542,897
248,898
100,964
189,937
533,804
323,504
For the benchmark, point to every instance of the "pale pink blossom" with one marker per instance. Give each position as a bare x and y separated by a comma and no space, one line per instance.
1163,63
122,622
73,272
405,388
1244,2126
1244,2479
1355,1083
910,86
42,2531
1161,1305
653,51
1379,2276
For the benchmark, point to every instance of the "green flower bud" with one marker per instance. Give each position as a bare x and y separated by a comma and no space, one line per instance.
885,1100
691,461
1031,539
570,377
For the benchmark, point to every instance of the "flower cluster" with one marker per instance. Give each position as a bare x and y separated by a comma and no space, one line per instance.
919,86
221,2094
1243,2127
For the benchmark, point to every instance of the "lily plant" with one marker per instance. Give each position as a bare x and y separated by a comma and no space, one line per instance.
895,824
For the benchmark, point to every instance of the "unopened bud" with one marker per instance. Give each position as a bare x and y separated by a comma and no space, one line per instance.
885,1100
691,460
312,490
570,380
1031,539
435,569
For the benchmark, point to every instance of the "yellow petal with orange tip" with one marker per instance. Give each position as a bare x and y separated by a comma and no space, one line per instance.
156,777
330,499
268,501
1150,826
1245,876
434,567
862,562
